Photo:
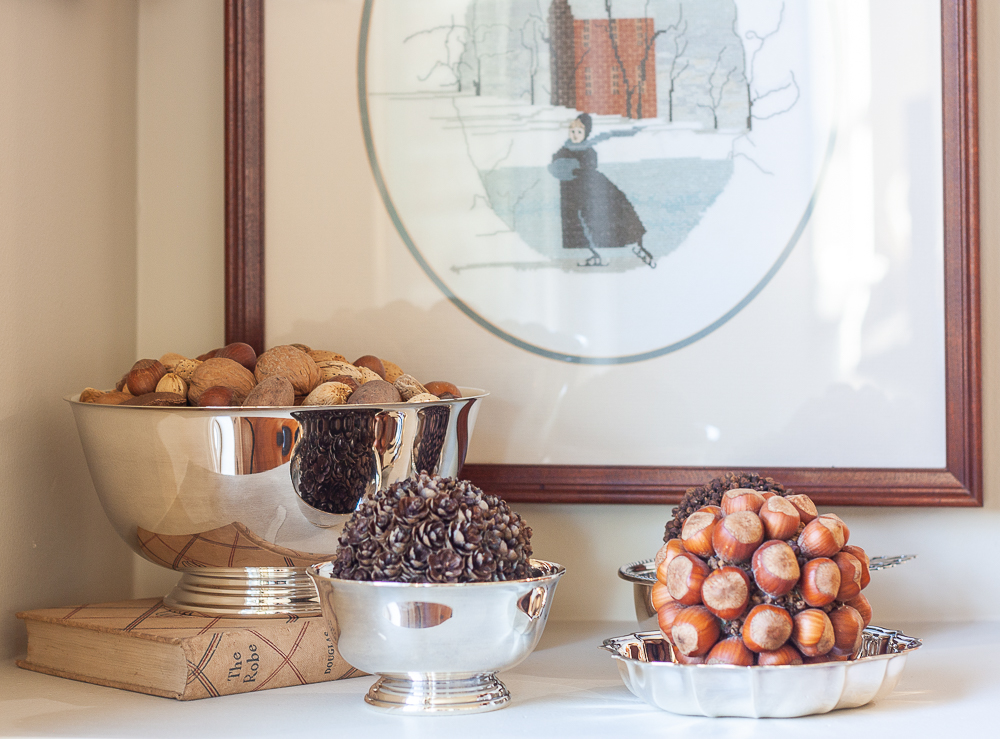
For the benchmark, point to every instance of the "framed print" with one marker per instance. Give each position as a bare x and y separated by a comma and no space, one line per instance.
670,238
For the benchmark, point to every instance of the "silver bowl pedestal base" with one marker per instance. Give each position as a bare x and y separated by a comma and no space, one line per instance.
241,592
430,693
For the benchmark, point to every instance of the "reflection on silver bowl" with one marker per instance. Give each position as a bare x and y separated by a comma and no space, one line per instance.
437,647
645,662
208,492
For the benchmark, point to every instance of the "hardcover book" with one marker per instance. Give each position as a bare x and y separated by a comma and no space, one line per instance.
142,646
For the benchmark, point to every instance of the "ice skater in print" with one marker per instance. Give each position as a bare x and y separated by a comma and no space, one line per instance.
595,213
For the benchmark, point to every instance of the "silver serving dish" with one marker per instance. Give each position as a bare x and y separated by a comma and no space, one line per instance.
642,575
208,491
645,663
436,647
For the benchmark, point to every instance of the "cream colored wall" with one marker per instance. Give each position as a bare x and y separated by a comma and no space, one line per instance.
67,289
110,104
341,208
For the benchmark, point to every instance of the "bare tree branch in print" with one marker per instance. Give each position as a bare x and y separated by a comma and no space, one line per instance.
754,93
678,34
633,86
717,82
532,37
453,33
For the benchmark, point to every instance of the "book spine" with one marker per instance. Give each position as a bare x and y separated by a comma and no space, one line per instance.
226,663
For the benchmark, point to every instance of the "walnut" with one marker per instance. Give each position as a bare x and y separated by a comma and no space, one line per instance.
291,363
221,372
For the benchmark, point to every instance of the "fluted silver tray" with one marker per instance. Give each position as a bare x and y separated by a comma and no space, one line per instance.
645,662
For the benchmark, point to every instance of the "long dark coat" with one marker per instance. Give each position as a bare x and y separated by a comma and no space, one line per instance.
592,205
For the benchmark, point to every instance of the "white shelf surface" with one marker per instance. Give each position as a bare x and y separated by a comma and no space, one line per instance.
567,687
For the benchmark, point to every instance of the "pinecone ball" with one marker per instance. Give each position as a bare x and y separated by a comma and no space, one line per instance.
434,530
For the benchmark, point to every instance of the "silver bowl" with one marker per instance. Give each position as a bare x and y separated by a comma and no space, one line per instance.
436,647
642,575
645,662
208,492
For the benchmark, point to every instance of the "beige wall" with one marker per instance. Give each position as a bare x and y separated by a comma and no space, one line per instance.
110,248
67,289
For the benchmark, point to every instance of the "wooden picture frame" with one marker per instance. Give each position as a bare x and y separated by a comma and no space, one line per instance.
959,483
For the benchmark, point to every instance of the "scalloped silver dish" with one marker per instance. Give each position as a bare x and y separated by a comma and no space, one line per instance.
642,575
645,662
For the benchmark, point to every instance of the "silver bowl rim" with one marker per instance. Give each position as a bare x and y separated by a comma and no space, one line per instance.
475,393
551,571
909,643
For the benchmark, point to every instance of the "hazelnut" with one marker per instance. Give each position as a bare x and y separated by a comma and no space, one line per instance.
741,499
207,355
369,361
344,379
848,627
862,557
863,607
443,389
667,552
726,592
843,526
144,376
812,632
804,505
730,651
785,655
766,628
216,396
694,631
850,575
683,659
697,532
775,568
737,536
240,353
820,582
822,537
659,596
665,617
684,577
780,518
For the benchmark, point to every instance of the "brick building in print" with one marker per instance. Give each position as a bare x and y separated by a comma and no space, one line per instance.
563,61
607,67
616,67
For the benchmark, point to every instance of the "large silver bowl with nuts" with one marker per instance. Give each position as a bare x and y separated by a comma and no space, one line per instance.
437,647
209,491
647,667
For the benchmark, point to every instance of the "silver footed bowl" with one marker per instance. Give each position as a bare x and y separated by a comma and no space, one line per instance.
436,647
208,492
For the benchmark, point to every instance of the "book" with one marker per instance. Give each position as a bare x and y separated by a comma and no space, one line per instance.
142,646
